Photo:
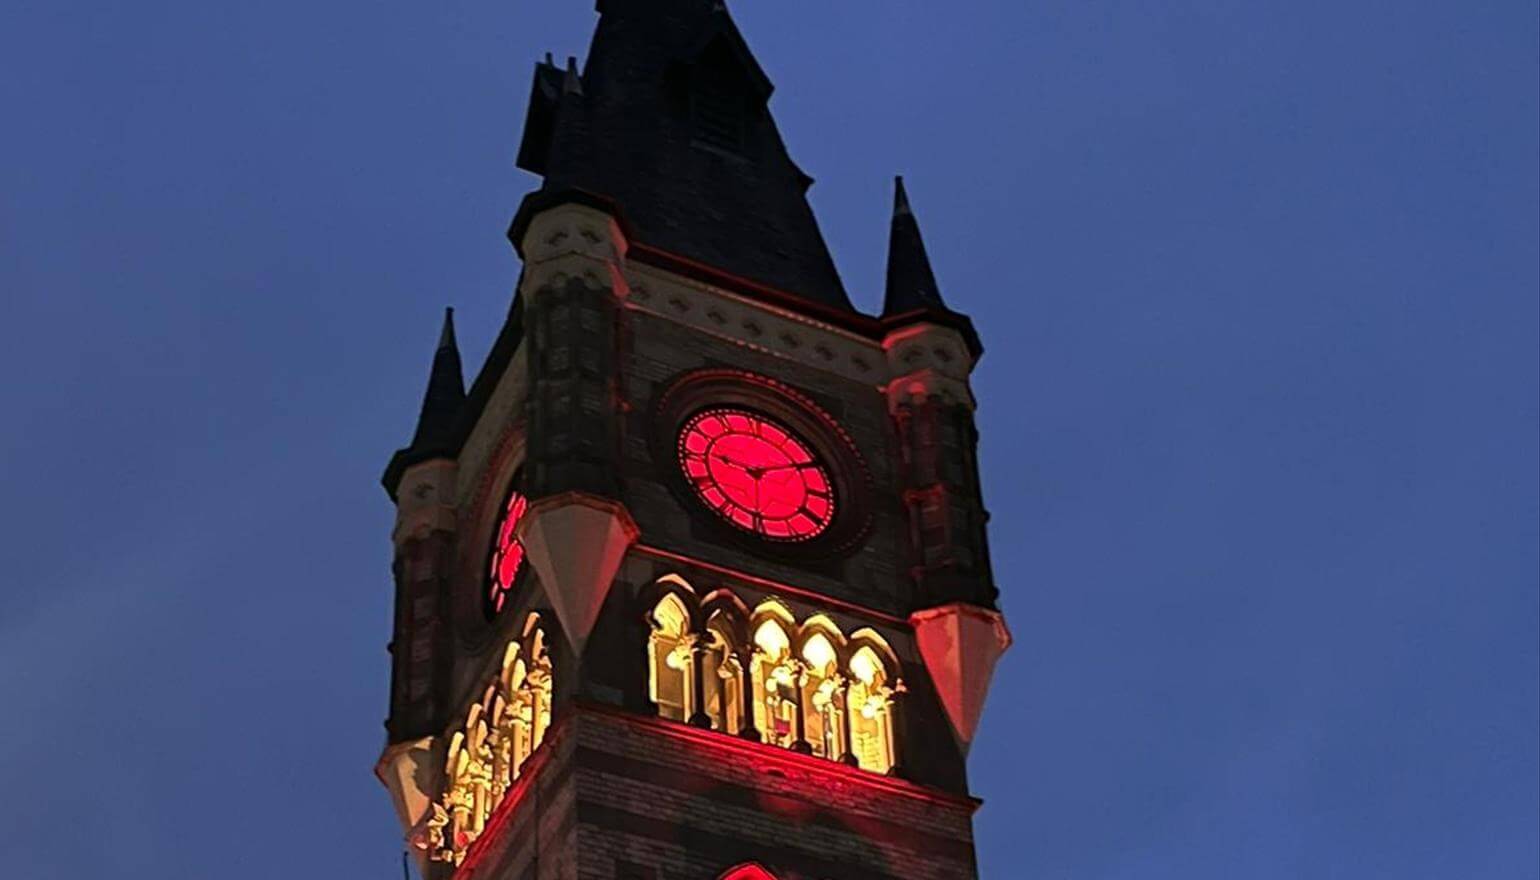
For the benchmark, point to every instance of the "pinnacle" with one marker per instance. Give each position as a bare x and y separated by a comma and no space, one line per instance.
911,283
446,337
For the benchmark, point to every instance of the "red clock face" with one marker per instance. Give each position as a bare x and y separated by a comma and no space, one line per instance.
507,554
756,474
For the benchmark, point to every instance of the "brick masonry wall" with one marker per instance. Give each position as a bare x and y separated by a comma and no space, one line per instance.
616,797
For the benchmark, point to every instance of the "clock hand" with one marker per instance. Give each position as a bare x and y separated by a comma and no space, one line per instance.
725,459
754,472
782,467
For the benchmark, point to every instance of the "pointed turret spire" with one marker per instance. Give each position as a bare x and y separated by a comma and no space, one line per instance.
446,391
435,436
911,283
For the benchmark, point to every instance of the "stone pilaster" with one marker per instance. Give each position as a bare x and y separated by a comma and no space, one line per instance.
932,408
577,529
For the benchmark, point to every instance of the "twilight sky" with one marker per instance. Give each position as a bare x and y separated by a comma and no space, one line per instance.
1258,287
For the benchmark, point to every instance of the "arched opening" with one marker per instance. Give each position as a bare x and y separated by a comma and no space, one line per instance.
723,677
488,754
671,660
870,699
820,696
775,676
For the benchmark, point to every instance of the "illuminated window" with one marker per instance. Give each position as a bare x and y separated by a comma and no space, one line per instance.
821,697
775,676
802,687
488,754
671,660
723,678
871,717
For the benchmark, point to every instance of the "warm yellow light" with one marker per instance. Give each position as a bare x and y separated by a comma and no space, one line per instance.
864,666
676,659
818,652
670,616
772,639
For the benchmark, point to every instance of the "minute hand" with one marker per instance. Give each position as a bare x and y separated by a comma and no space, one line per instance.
783,467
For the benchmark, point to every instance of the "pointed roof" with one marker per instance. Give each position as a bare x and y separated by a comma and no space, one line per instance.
668,127
912,295
436,435
911,283
446,390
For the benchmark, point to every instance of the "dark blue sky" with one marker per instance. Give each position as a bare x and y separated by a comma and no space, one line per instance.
1258,284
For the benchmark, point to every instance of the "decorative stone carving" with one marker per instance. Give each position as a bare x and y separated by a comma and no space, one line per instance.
425,500
485,757
923,361
573,241
784,333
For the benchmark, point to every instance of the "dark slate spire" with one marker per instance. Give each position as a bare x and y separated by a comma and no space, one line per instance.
435,436
446,391
912,294
911,283
668,124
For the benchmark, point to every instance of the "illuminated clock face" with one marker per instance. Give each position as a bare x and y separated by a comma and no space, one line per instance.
507,554
756,474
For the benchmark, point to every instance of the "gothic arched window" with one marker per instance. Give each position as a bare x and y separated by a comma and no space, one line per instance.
671,659
723,676
775,688
765,677
488,754
870,699
821,697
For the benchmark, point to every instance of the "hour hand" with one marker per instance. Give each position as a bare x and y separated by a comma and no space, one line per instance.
754,472
729,460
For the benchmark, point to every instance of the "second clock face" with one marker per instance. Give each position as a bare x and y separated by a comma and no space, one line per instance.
507,554
756,474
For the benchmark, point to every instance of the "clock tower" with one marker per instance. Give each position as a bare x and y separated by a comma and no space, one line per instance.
692,582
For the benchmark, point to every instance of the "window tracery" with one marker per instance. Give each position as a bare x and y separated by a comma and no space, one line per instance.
775,678
671,659
486,756
871,705
763,676
723,675
821,695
